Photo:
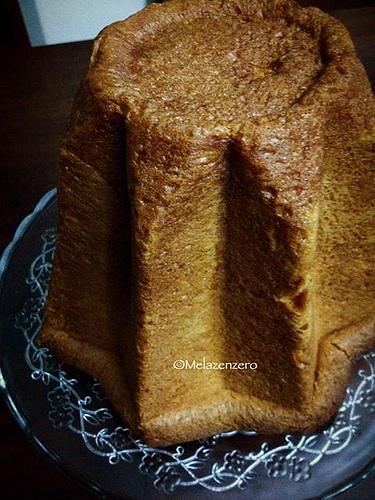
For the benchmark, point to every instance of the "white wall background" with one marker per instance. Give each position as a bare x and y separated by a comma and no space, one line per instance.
61,21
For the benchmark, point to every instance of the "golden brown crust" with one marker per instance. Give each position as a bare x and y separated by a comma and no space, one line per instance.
227,217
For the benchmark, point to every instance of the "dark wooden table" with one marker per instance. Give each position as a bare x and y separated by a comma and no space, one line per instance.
37,86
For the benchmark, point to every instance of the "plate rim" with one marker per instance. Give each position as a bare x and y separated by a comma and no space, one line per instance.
22,228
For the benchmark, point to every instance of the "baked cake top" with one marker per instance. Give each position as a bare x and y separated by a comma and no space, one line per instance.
212,64
224,67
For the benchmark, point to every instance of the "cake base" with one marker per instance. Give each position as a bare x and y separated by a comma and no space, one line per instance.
231,410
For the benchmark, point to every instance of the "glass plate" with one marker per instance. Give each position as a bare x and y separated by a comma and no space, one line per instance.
65,413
